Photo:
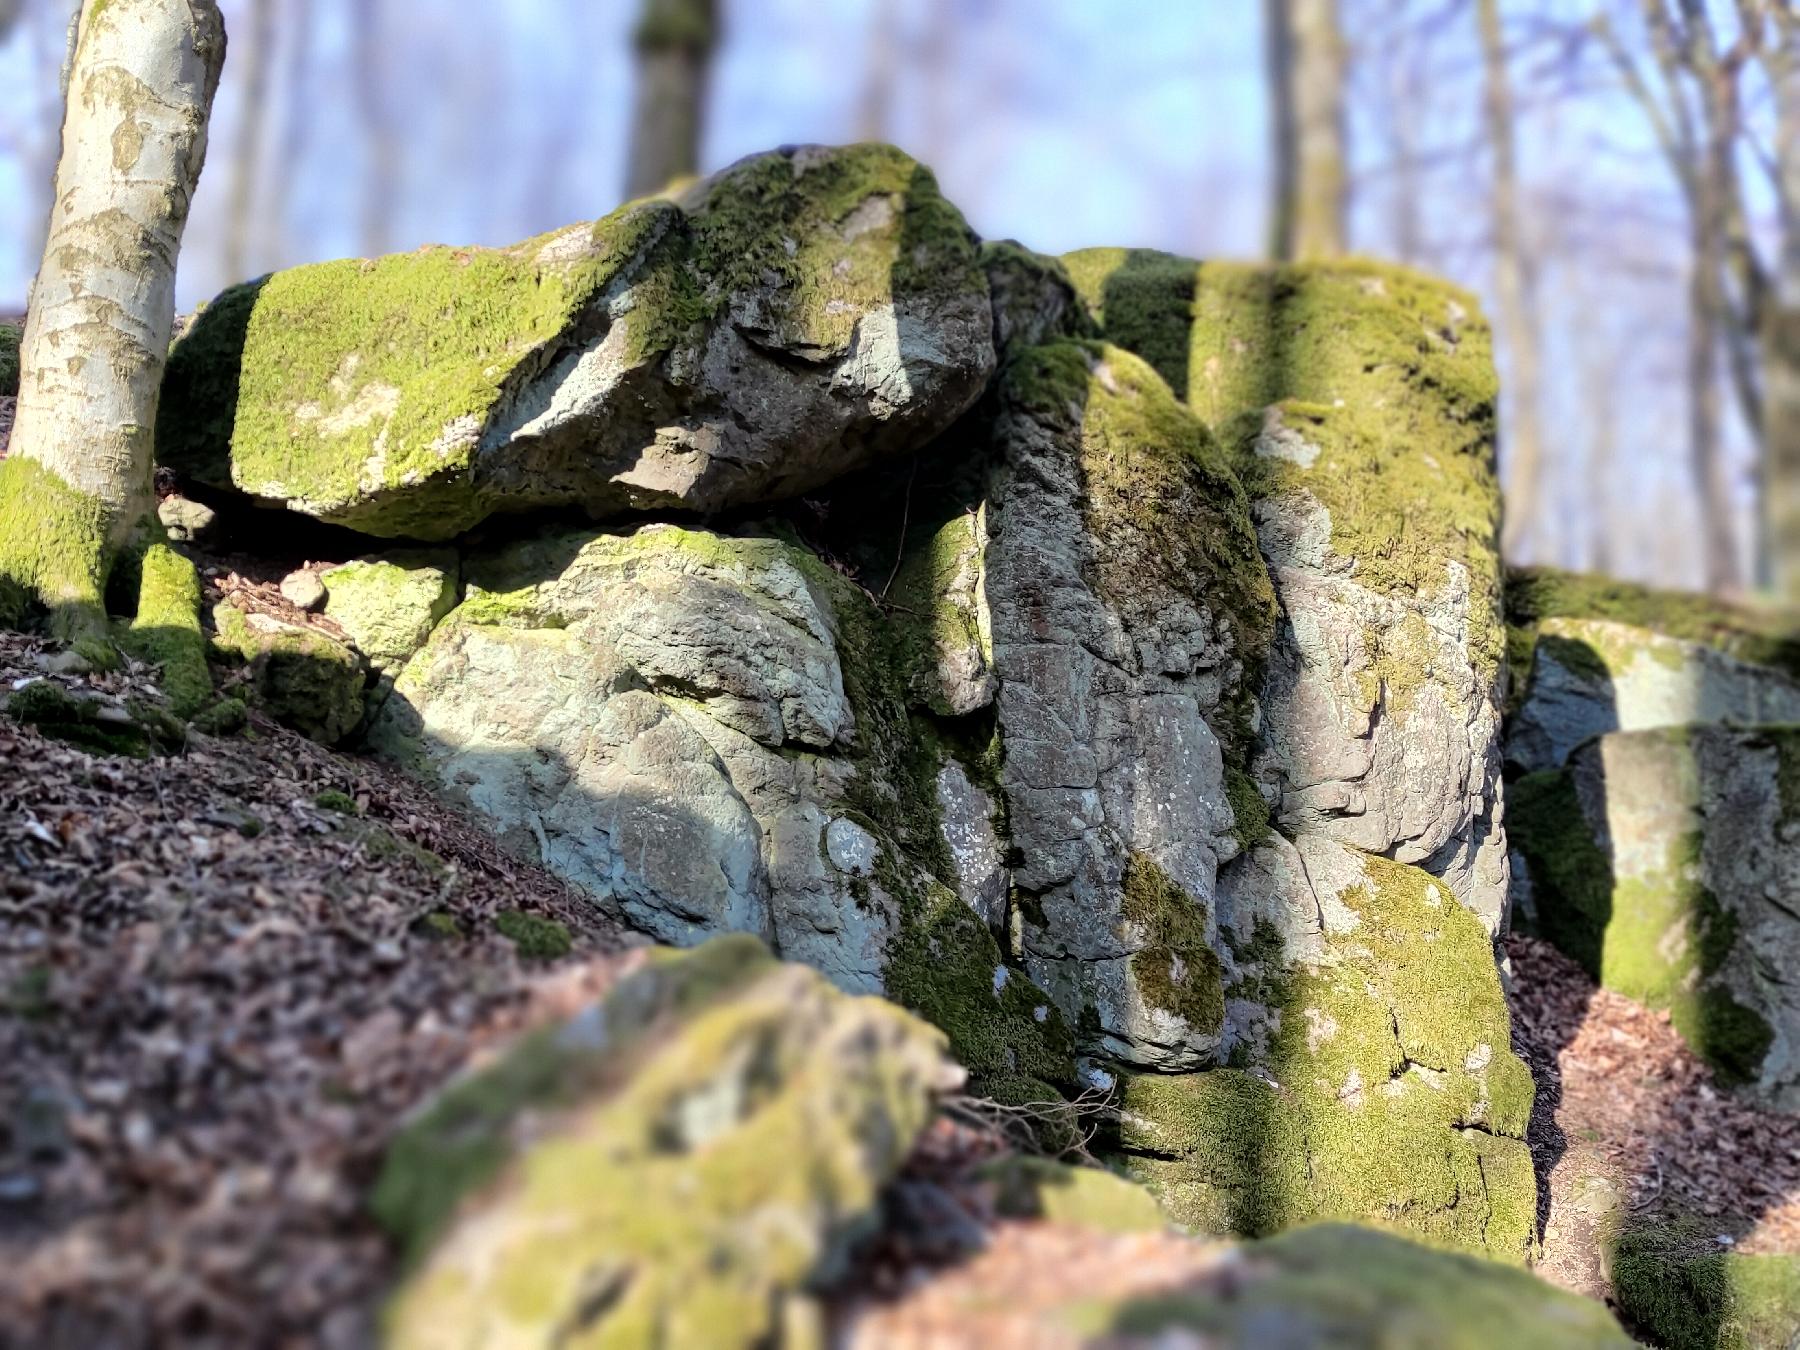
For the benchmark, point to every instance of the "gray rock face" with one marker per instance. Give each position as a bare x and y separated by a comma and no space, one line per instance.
1590,677
975,847
655,716
797,316
1380,728
1114,646
1667,862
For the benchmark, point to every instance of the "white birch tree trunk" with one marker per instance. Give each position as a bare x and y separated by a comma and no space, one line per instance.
77,477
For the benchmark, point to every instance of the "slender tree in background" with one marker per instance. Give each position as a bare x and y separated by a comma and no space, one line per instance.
1781,322
1514,292
881,74
382,164
76,480
1307,67
675,41
246,154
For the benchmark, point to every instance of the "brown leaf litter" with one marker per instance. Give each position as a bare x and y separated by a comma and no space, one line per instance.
219,998
1624,1103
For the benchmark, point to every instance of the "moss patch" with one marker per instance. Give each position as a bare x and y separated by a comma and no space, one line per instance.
333,800
1762,635
166,632
138,729
1174,966
1683,1291
54,551
1088,1197
1388,1094
537,938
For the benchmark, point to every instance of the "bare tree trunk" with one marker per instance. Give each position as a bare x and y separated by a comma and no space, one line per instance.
246,154
1706,318
1514,293
296,124
76,480
675,41
875,107
382,160
1781,326
1307,60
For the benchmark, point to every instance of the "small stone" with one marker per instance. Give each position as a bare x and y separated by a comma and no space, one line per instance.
850,847
303,589
184,518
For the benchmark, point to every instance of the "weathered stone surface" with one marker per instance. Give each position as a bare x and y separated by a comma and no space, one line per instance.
301,676
710,734
672,1166
1372,1071
302,589
185,519
1124,590
1589,677
798,315
1357,402
1666,863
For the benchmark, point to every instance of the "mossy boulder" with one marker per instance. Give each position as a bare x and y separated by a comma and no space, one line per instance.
676,1164
1027,1187
1344,1286
1371,1072
796,316
1672,661
1663,861
299,675
1356,404
1682,1289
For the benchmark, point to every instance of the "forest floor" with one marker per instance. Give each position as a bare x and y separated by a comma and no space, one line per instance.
221,987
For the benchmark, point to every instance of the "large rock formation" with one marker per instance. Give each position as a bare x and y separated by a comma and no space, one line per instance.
797,315
1121,750
1358,404
1656,821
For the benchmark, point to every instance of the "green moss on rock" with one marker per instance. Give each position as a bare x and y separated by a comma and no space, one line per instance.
302,677
1087,1197
1383,392
1658,936
388,605
1677,1285
1389,1093
54,552
1761,635
537,938
342,381
641,1203
1341,1285
166,632
1174,966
